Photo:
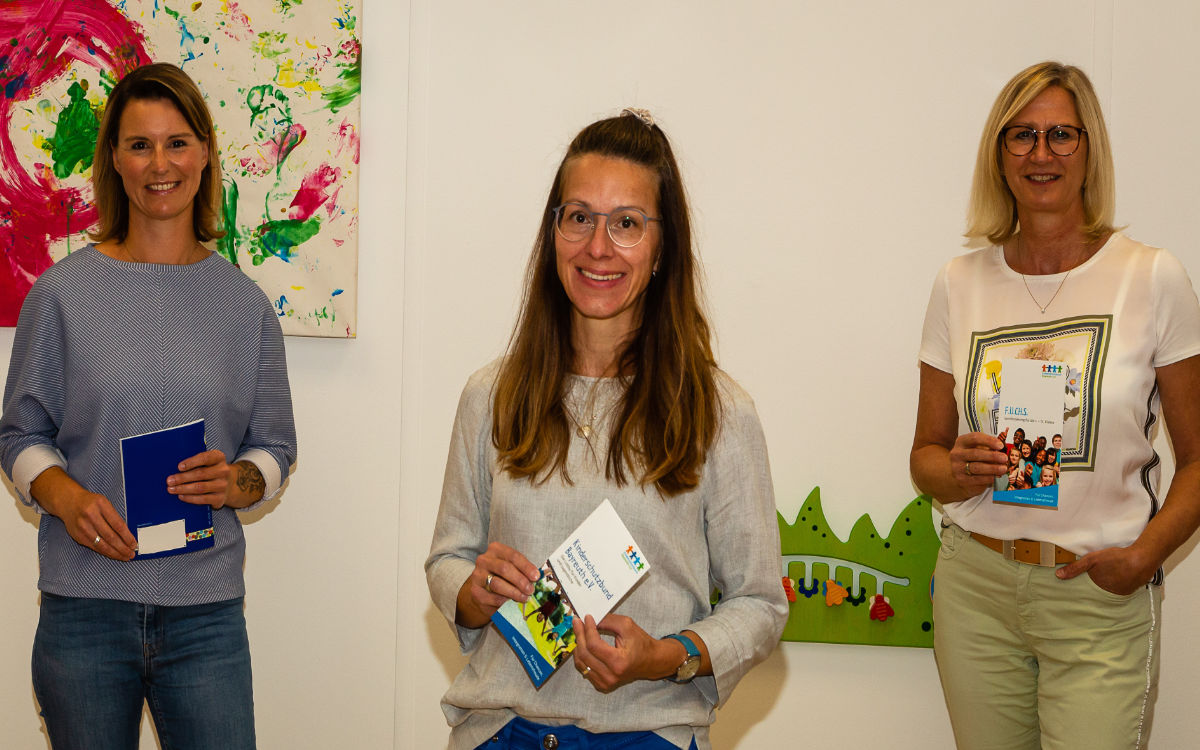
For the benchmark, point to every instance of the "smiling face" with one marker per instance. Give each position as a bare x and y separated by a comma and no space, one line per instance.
1041,181
160,161
603,280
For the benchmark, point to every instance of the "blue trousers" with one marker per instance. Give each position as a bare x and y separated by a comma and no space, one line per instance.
520,734
97,661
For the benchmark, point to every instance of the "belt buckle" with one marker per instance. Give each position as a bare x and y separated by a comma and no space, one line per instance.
1046,552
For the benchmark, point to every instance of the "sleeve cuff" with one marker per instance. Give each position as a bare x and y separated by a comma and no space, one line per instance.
445,579
269,468
30,463
717,686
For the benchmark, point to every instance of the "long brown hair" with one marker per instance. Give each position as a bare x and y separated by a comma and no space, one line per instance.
668,417
158,81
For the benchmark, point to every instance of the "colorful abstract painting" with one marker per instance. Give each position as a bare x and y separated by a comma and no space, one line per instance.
282,80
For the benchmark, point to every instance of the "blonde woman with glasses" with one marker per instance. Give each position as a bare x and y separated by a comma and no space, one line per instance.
1047,615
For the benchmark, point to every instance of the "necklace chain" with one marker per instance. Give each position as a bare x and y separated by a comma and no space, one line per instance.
197,246
1029,291
584,429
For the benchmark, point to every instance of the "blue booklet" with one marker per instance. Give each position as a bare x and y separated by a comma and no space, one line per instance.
163,524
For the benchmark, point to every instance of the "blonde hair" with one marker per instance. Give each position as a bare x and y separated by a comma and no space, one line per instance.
993,211
157,81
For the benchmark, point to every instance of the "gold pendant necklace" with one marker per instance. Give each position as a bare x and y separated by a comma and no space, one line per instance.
584,429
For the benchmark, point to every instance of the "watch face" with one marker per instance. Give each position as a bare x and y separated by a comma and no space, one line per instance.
688,669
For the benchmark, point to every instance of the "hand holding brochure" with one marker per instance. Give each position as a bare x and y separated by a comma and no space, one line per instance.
588,574
163,524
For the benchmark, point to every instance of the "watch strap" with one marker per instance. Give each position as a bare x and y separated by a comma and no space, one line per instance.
693,655
688,645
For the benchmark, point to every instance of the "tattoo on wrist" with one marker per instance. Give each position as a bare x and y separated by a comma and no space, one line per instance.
250,479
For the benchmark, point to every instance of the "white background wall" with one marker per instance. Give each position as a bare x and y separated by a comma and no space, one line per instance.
828,148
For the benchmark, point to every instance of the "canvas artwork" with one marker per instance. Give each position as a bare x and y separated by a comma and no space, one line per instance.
282,80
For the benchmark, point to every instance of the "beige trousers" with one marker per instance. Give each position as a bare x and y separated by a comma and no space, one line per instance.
1029,662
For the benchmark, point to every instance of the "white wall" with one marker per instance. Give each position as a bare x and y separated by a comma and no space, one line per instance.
828,149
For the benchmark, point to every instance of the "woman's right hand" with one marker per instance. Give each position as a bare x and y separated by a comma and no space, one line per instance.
976,460
501,573
940,455
91,519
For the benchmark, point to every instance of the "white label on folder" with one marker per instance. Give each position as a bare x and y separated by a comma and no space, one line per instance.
163,537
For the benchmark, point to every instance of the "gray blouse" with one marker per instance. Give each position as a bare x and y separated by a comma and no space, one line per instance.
724,534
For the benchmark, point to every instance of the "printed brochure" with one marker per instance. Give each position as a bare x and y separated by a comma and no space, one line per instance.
1032,395
588,574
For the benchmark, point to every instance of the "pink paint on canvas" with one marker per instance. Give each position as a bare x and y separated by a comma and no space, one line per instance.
48,37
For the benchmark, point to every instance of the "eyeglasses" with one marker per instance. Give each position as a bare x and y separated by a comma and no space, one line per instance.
626,226
1062,140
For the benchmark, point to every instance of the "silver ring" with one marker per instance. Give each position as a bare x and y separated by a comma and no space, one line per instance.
585,671
96,540
969,469
488,584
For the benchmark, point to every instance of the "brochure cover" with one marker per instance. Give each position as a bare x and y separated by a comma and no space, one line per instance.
163,524
1032,394
588,574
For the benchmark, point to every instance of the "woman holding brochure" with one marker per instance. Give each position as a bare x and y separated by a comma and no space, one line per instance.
609,391
145,329
1046,609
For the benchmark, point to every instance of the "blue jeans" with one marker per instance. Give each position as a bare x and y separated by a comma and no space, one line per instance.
520,734
96,661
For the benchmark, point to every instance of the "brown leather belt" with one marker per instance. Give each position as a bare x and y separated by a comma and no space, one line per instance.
1027,551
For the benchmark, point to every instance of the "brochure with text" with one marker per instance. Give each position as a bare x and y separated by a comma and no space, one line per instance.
1032,395
588,574
163,524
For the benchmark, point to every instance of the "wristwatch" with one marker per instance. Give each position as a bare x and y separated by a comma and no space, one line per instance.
687,670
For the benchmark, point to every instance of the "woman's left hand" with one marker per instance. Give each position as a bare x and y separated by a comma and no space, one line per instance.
207,479
634,654
1117,570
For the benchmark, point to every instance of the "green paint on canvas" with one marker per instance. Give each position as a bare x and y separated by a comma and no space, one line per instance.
74,141
270,44
270,108
280,238
228,244
347,88
899,567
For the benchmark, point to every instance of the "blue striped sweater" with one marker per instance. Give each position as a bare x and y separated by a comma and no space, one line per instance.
105,349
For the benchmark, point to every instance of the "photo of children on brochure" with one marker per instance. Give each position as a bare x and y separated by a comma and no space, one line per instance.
1031,463
548,616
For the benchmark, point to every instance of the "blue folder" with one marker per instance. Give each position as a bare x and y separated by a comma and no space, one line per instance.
146,462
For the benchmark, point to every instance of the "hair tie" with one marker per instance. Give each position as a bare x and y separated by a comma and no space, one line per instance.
642,114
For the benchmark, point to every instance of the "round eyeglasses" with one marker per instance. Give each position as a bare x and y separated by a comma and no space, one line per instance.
626,226
1021,140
